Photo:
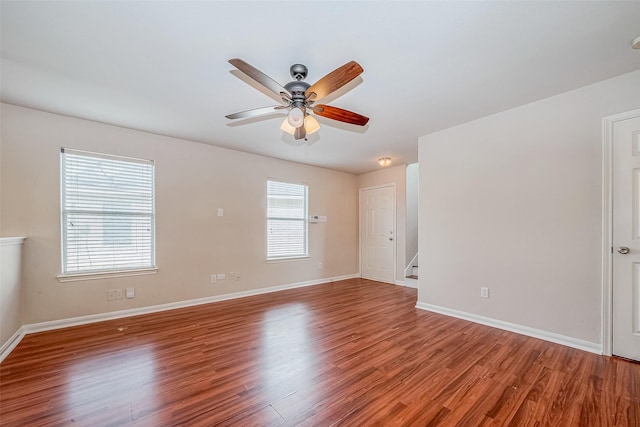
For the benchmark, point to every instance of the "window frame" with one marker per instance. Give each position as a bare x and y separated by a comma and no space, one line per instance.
119,271
305,220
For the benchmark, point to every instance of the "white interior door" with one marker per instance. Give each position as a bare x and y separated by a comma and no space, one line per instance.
377,233
626,238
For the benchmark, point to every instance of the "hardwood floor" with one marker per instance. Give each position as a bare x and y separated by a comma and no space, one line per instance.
354,352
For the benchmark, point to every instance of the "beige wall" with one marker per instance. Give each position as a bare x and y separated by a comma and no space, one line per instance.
513,201
10,289
393,175
192,181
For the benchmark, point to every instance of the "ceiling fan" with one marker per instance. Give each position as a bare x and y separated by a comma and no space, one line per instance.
299,97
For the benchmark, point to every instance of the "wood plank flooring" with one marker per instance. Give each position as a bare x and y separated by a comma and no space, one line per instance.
354,352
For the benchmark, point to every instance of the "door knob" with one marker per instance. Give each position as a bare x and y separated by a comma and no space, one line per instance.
624,250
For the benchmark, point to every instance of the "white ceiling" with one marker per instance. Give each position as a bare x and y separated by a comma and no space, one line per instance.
162,66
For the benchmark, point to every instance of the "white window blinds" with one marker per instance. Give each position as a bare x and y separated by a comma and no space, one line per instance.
107,205
286,220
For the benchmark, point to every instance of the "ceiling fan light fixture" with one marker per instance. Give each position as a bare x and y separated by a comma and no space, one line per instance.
311,125
296,117
384,161
636,43
298,97
287,127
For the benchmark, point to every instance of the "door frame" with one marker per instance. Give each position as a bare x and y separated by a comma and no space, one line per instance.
607,226
395,234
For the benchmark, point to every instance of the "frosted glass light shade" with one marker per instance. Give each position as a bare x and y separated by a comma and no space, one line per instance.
311,125
296,117
287,127
384,161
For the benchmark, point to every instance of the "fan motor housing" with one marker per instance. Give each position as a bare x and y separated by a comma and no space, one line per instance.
297,90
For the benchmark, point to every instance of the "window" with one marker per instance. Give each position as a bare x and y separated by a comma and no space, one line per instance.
286,220
107,205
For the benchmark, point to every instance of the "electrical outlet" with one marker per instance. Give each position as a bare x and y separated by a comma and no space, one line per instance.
119,294
237,276
221,276
484,292
111,294
213,278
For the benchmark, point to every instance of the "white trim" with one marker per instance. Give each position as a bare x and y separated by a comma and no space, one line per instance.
6,241
395,228
11,343
288,259
410,283
106,156
377,187
93,318
606,330
513,327
77,277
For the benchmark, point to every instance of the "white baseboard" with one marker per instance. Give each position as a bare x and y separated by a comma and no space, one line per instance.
11,343
82,320
513,327
410,283
93,318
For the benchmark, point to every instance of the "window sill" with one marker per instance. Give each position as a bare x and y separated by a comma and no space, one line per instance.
288,259
76,277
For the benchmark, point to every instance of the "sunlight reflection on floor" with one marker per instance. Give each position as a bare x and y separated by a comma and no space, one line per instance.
286,349
92,382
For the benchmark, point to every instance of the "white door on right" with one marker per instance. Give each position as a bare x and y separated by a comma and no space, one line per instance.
626,238
377,234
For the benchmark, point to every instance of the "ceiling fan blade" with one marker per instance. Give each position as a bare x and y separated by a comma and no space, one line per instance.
340,115
255,112
334,80
300,133
258,76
